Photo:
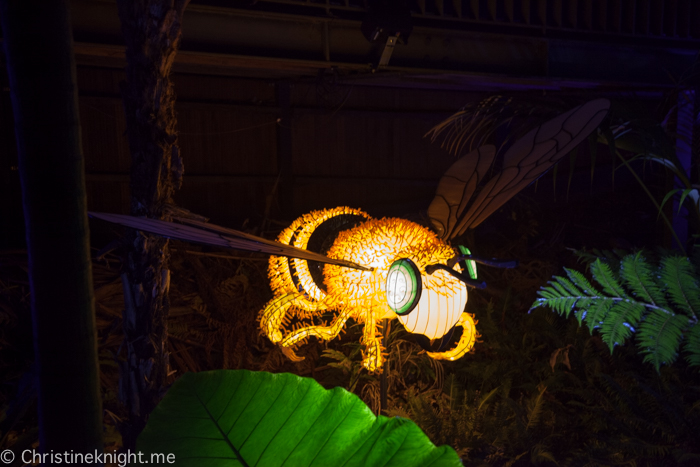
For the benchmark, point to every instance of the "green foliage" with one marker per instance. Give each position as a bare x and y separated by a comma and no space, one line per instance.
657,302
240,417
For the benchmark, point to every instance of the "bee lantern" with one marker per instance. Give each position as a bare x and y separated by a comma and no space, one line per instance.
403,281
343,263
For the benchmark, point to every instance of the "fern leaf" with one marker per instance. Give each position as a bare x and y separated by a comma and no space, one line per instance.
604,276
692,345
611,257
540,453
639,277
598,312
564,288
581,282
486,397
621,321
334,354
535,413
548,292
678,274
695,257
659,336
561,289
580,314
562,305
561,295
570,286
663,302
583,305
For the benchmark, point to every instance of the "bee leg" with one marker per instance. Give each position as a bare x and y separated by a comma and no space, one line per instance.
372,358
289,353
466,342
273,315
321,332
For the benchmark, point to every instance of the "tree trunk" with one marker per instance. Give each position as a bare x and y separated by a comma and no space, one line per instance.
151,30
41,68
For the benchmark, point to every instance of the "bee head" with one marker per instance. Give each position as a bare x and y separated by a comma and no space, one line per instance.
401,284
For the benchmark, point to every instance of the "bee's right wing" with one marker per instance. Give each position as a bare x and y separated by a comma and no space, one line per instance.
460,203
210,234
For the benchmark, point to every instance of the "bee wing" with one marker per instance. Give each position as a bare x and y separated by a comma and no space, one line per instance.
525,161
210,234
457,186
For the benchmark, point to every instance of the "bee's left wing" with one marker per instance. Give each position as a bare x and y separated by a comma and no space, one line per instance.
210,234
526,160
456,188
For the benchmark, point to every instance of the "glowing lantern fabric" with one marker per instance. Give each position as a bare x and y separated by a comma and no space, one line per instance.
397,251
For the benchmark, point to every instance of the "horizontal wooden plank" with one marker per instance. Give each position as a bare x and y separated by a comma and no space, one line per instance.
254,179
229,200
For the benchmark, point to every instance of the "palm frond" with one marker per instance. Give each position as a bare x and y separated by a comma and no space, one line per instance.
476,123
472,126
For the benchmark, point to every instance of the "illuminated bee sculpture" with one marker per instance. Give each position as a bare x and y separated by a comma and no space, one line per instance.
345,263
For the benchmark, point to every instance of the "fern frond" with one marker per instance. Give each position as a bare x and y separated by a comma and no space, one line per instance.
334,354
659,336
621,321
604,276
566,286
581,282
562,291
611,257
639,277
552,299
692,345
583,304
535,413
539,452
484,402
563,295
695,256
562,305
678,274
663,301
598,312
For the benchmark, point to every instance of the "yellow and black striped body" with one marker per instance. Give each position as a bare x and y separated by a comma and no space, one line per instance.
304,289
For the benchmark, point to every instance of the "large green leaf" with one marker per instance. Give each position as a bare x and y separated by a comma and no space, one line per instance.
245,418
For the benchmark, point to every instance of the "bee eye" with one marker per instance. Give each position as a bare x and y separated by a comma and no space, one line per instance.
403,286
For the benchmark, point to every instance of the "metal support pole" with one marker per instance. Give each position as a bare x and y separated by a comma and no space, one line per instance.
383,382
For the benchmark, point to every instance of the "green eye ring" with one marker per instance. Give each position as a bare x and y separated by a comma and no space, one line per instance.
470,265
403,286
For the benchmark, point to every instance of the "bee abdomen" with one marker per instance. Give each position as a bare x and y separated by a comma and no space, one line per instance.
298,275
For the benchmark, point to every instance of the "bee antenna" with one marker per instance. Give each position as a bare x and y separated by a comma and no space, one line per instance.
488,262
431,268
